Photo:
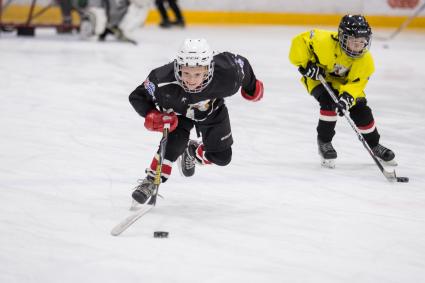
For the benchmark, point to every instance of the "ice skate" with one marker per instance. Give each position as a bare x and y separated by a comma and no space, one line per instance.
385,155
327,154
178,23
165,24
187,160
121,36
142,193
118,33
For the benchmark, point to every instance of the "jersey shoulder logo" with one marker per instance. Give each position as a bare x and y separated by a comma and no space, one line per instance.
240,62
150,87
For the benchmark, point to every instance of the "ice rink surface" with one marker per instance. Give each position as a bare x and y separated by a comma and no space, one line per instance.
72,149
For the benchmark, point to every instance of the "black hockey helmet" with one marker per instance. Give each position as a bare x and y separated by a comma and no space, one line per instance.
350,28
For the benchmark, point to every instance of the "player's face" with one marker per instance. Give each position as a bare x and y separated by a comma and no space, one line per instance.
356,44
193,77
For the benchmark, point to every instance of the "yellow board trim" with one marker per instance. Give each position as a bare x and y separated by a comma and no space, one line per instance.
263,18
17,13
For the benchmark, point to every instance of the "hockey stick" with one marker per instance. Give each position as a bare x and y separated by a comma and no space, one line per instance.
391,176
162,146
404,24
123,225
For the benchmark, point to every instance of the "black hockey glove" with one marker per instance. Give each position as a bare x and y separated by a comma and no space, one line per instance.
312,71
344,103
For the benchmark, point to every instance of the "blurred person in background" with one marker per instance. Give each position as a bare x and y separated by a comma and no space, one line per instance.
117,18
165,22
66,7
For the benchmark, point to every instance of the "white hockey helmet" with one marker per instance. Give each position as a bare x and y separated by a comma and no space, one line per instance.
194,53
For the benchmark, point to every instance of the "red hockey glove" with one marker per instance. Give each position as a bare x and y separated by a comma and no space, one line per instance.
156,120
258,92
344,103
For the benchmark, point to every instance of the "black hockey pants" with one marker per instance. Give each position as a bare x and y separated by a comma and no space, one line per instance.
216,137
360,113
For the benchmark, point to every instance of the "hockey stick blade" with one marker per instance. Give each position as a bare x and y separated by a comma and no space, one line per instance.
393,178
389,175
123,225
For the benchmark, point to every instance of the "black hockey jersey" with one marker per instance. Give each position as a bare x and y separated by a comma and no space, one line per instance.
162,91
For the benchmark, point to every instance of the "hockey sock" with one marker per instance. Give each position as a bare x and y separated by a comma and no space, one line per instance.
370,134
200,155
326,125
167,166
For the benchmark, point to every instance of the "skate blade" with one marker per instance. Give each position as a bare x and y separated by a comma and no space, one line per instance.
328,163
179,165
135,206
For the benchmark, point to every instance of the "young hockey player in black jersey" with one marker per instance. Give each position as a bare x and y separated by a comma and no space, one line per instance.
190,93
344,60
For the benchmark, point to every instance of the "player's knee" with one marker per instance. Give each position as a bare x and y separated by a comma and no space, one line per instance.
177,139
177,142
221,158
361,114
324,99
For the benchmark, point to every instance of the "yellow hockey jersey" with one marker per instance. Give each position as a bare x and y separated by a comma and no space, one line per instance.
344,73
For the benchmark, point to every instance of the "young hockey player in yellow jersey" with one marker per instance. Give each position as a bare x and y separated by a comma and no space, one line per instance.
344,60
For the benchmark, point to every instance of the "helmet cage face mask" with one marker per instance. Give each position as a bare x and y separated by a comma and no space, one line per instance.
353,29
207,78
194,53
345,42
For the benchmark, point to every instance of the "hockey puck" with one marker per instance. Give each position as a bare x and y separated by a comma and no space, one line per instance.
160,234
403,179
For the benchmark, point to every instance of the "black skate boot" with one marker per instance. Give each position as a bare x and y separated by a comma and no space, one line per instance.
144,190
178,23
327,153
187,160
165,24
104,34
385,155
